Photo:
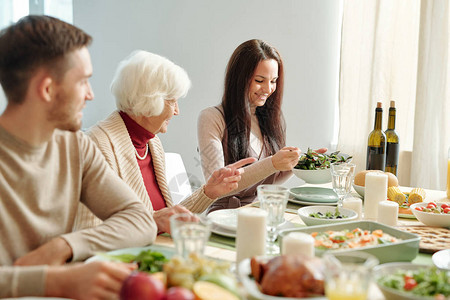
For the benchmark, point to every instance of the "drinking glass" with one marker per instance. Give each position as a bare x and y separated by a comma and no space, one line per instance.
273,199
348,275
341,178
189,235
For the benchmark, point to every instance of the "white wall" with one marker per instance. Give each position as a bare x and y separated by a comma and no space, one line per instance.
200,36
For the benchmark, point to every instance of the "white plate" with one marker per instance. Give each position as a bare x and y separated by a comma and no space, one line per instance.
225,218
251,287
441,259
222,231
168,252
310,203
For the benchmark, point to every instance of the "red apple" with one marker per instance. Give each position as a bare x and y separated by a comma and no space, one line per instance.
141,286
179,293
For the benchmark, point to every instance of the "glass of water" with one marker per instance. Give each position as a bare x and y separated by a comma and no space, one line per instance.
273,199
189,235
341,178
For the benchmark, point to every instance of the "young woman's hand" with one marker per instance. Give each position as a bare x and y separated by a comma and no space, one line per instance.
286,158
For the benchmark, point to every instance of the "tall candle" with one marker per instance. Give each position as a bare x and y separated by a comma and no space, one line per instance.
375,191
388,212
298,243
355,204
251,233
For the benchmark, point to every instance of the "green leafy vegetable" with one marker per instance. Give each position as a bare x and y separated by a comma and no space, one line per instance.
312,160
148,261
430,282
328,215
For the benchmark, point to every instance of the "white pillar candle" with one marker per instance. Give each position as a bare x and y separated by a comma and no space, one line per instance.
298,243
355,204
251,233
388,212
375,191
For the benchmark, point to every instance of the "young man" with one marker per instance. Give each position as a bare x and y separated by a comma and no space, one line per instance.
47,167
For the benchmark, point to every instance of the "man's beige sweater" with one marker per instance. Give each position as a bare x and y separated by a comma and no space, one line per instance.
40,191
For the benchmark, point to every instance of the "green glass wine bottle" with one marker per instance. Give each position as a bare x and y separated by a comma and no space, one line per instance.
392,142
376,147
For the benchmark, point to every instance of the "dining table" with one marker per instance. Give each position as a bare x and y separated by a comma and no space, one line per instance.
223,248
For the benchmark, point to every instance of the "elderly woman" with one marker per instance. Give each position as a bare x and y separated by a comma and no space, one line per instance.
146,87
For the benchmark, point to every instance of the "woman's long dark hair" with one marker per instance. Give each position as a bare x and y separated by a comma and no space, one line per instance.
236,103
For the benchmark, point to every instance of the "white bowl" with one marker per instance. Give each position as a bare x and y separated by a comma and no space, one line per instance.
429,218
313,176
390,268
359,189
304,213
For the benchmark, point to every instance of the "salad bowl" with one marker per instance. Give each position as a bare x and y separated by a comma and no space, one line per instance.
390,279
313,167
430,218
318,215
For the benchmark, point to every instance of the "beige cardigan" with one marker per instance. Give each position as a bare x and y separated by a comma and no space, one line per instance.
112,137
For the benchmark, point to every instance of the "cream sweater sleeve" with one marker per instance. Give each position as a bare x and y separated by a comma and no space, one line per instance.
210,130
22,281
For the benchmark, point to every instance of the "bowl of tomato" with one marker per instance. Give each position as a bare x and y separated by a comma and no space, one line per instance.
435,214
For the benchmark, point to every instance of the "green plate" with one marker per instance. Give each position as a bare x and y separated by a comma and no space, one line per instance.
314,194
167,251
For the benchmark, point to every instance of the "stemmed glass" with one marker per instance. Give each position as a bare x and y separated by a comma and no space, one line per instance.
341,177
273,199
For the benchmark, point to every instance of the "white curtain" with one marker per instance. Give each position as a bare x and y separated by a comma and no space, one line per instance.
386,51
432,134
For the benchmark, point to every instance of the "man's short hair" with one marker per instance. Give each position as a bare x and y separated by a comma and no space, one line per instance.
32,43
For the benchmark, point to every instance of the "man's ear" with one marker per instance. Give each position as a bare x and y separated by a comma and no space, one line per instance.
46,88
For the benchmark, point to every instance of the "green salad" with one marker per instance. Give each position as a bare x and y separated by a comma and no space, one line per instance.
148,261
328,215
312,160
430,282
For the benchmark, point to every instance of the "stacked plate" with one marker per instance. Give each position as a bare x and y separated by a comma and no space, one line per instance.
309,195
224,222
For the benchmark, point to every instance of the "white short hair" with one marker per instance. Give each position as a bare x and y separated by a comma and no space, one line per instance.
144,80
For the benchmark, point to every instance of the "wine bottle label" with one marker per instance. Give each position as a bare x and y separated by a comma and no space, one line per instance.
376,158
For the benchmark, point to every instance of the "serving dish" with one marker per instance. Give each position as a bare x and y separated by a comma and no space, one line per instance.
429,218
359,189
313,176
314,194
304,214
251,287
384,270
404,250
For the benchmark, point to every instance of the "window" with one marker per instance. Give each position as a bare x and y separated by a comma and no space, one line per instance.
12,10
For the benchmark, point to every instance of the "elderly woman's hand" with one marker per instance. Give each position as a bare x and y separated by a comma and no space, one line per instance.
226,179
163,215
286,158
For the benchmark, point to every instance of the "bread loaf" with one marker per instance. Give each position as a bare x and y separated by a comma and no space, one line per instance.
360,178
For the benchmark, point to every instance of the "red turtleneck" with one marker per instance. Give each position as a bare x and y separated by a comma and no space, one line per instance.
140,137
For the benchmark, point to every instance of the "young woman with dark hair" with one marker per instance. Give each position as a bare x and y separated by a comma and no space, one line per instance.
248,123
